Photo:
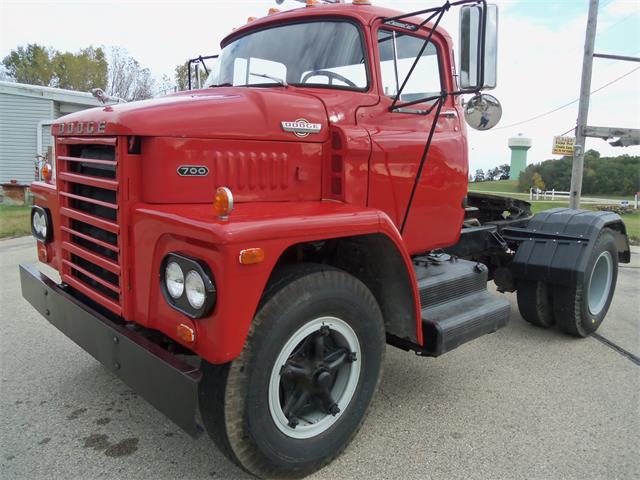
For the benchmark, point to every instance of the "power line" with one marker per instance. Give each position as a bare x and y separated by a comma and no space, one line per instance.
602,87
567,104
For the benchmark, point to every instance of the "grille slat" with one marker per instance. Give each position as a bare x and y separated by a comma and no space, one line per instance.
88,180
93,161
90,200
94,258
98,242
91,220
90,212
93,277
92,293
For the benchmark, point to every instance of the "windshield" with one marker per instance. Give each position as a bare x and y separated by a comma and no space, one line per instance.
325,54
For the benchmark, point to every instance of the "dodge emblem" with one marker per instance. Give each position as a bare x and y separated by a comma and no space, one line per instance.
301,127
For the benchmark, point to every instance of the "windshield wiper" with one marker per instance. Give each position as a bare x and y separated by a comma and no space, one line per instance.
221,85
275,79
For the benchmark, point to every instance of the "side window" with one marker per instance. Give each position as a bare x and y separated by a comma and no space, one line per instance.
397,53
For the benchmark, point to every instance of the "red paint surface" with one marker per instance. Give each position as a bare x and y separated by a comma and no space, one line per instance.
354,178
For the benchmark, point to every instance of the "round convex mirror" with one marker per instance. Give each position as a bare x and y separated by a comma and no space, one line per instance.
483,112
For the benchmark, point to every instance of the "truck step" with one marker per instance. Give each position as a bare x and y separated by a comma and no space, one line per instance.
449,325
443,278
456,306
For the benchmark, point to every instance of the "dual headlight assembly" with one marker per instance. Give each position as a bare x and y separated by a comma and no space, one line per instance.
41,224
187,285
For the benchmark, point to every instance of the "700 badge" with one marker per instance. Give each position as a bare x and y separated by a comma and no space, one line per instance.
193,171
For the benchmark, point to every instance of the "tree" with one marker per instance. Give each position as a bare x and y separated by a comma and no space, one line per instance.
504,171
182,76
32,65
537,181
479,176
127,79
166,86
492,174
81,71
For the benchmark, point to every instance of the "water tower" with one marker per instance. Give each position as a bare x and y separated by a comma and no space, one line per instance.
519,146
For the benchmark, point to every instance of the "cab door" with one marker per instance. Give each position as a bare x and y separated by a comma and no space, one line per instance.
399,139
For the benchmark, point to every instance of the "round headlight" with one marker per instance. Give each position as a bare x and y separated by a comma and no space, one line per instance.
196,293
39,222
43,226
36,221
174,280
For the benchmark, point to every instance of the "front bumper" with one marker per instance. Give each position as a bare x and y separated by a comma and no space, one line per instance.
165,381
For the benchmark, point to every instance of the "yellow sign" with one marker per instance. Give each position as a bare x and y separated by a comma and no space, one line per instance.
563,145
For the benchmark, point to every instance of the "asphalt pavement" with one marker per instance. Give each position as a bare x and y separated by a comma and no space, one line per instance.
521,403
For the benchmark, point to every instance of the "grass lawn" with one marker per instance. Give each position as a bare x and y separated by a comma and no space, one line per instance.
510,186
14,221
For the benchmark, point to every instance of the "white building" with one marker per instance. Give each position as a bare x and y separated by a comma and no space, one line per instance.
26,114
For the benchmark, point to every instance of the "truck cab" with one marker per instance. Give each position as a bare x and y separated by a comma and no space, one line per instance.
248,248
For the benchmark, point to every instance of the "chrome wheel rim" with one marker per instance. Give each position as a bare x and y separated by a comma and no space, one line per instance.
600,282
314,378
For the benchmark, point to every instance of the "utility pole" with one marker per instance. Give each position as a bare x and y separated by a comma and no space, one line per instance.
583,109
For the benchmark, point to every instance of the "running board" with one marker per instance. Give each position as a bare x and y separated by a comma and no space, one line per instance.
456,306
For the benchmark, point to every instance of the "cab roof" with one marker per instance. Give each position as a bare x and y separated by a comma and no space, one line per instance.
365,14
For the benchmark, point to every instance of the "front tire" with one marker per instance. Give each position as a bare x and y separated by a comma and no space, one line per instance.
579,310
299,391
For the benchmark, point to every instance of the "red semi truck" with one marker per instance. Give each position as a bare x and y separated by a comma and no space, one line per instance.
248,249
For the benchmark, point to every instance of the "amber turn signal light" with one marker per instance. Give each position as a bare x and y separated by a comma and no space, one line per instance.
251,256
46,172
223,203
186,333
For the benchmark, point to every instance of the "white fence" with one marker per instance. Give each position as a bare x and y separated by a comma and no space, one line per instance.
538,194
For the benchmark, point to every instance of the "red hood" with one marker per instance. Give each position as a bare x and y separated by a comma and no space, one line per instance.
230,113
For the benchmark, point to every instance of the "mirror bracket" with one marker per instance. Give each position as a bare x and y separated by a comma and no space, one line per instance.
199,60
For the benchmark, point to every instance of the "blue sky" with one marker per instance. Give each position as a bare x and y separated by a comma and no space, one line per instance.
540,53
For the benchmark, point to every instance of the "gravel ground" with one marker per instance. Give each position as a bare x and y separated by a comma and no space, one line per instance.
521,403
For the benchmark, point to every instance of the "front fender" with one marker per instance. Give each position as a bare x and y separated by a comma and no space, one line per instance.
196,231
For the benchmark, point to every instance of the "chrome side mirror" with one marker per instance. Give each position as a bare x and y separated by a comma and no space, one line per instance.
483,112
478,54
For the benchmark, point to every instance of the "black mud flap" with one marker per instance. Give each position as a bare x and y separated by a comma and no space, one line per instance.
556,244
165,381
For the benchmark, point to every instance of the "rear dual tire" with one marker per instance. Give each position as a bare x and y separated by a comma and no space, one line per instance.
299,391
580,309
536,304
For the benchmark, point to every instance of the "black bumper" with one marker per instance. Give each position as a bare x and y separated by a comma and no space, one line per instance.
165,381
